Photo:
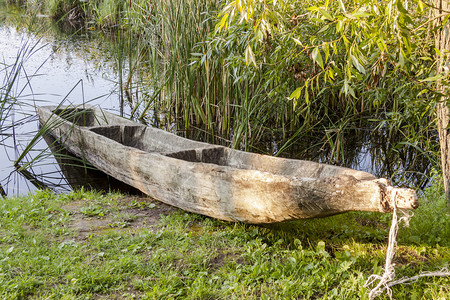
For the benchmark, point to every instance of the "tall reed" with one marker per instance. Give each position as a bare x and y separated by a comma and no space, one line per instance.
17,102
15,80
196,82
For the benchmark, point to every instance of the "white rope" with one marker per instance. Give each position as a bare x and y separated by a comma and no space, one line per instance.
387,280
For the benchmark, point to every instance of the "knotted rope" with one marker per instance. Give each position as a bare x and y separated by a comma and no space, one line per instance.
387,279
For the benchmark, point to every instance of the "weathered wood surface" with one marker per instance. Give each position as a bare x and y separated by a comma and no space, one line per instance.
217,181
442,43
79,174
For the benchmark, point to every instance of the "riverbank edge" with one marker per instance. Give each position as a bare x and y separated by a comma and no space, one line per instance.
105,15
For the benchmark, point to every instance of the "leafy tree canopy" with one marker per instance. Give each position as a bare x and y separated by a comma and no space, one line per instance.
350,47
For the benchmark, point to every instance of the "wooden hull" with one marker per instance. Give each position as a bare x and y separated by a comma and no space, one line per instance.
217,181
80,174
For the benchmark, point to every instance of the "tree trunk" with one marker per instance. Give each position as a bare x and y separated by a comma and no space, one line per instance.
442,42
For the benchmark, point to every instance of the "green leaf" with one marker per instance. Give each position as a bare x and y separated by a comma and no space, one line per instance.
438,52
339,26
341,4
444,22
420,5
297,41
223,23
433,78
325,14
331,74
312,20
401,8
346,88
250,56
312,8
424,91
326,50
351,91
324,28
259,35
406,18
357,64
361,14
401,58
317,57
296,94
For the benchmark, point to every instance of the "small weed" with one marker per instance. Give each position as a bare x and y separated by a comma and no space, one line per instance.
119,224
93,210
141,204
122,220
125,217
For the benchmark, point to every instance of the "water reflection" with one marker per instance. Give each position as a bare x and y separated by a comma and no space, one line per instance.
42,70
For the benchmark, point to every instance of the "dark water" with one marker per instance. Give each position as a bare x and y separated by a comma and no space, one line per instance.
78,67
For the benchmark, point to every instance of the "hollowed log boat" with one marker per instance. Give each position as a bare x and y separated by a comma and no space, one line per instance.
213,180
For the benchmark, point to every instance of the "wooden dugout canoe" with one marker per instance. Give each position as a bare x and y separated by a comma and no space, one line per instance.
216,181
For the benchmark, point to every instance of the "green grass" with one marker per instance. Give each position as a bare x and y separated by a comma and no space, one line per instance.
164,253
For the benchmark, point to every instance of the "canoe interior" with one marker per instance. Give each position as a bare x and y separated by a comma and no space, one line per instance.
84,175
149,139
79,116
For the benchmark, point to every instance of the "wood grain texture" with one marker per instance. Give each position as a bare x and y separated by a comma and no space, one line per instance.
442,42
217,181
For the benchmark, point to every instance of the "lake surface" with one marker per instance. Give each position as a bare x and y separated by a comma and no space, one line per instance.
80,68
53,69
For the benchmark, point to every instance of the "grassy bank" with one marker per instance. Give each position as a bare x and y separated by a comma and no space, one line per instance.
87,245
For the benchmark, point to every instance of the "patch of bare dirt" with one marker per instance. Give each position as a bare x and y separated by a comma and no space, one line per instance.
223,258
148,216
145,213
405,256
370,223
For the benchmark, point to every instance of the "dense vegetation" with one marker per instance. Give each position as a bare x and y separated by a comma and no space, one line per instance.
86,245
278,74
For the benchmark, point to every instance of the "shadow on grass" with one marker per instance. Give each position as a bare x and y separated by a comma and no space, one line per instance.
429,227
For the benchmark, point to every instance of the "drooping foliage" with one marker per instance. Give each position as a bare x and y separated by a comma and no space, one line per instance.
340,65
359,55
